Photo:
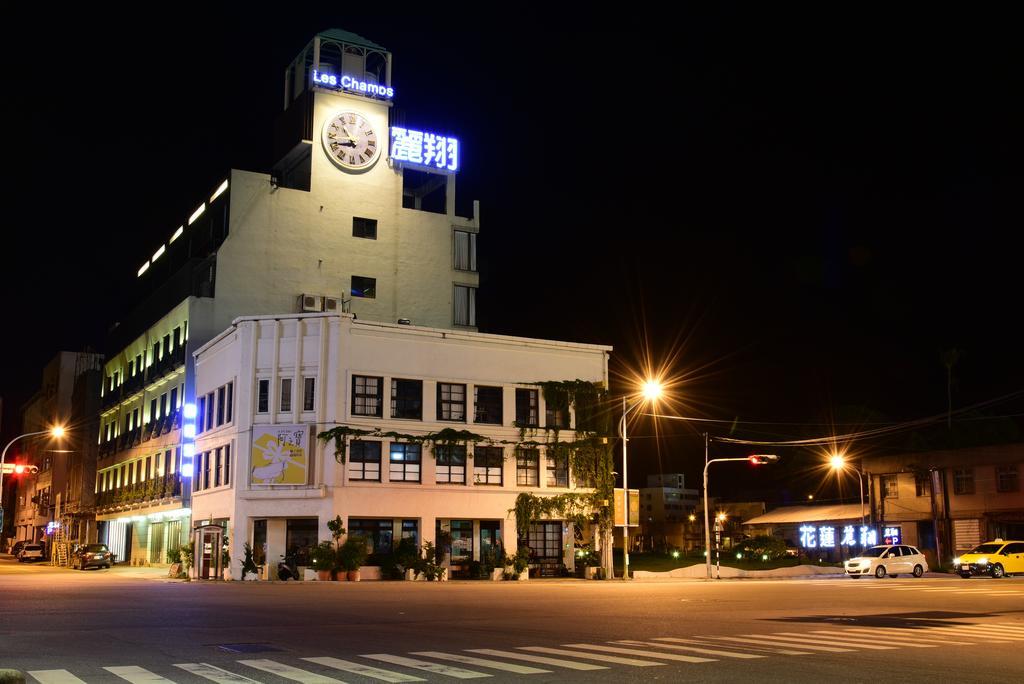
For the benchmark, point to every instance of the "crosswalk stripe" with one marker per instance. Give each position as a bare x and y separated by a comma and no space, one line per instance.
214,674
592,656
447,670
1016,626
972,633
709,642
633,651
1003,593
788,642
694,649
289,672
998,633
365,670
905,634
835,641
844,634
137,675
557,662
1009,631
482,662
55,677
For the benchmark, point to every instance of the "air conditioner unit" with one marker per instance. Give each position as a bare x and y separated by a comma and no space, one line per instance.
309,303
332,304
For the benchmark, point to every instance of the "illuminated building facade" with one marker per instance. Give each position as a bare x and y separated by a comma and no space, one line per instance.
355,216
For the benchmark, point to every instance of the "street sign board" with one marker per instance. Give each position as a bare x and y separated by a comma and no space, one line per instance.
634,508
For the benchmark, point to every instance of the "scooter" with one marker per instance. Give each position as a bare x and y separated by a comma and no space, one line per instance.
284,571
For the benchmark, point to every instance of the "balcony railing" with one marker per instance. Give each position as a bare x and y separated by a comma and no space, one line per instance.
155,489
166,364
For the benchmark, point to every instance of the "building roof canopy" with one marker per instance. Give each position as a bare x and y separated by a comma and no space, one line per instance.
800,514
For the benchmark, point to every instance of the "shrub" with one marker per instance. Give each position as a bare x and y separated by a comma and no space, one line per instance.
248,564
323,556
757,547
352,554
174,555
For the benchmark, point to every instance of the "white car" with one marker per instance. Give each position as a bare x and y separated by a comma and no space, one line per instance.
892,560
31,552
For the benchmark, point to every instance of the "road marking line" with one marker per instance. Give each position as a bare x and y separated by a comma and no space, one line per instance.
705,651
1015,626
910,634
447,670
708,642
1011,629
213,673
1003,593
137,675
632,651
482,662
788,642
843,634
364,670
289,672
971,633
592,656
571,664
835,641
55,677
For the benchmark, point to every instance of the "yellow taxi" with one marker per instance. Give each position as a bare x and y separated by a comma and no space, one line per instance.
995,558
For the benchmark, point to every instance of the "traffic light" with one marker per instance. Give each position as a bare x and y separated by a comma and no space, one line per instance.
762,459
19,469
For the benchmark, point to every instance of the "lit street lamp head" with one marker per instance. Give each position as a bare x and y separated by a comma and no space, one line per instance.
837,461
57,431
651,390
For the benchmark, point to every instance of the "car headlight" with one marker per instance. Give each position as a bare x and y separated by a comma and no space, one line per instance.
956,561
983,561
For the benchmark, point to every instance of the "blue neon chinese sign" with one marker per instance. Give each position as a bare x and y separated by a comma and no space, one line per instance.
424,149
352,85
825,537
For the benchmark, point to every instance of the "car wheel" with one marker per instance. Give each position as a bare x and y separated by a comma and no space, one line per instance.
965,575
997,571
880,571
854,576
918,571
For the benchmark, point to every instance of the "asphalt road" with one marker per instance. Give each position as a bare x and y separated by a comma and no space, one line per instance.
110,626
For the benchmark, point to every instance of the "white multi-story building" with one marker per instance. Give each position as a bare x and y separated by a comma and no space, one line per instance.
357,215
268,384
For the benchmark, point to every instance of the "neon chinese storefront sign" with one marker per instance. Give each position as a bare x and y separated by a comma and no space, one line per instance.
425,149
830,537
352,85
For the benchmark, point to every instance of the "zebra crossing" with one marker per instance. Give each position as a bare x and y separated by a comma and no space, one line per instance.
977,587
482,663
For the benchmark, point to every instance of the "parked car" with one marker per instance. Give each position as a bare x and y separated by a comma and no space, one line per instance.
91,555
18,545
891,559
31,551
995,558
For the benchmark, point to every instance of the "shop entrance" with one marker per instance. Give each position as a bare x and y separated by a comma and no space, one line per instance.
490,543
207,542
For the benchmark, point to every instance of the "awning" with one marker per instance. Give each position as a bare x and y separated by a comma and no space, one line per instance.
801,514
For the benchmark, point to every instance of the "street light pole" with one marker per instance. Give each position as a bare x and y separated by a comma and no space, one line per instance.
57,432
625,496
756,460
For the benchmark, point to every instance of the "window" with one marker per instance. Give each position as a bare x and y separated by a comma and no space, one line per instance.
545,541
163,404
407,399
411,530
366,395
167,344
209,411
405,462
528,467
1006,478
556,413
557,467
451,401
231,400
487,465
131,369
364,461
462,540
526,408
963,480
174,399
465,305
364,228
152,410
218,468
464,244
487,401
923,484
308,392
263,397
227,463
378,533
138,363
208,470
364,287
286,395
451,464
156,353
221,400
889,486
177,337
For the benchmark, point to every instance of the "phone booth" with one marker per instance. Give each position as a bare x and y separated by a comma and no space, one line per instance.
207,541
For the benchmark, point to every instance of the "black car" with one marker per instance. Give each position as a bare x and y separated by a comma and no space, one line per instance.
92,555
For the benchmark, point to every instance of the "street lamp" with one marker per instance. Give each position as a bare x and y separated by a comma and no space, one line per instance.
57,431
650,391
757,459
838,463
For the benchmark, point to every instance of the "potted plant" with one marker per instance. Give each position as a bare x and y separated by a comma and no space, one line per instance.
187,558
174,558
323,557
407,557
250,571
428,565
352,555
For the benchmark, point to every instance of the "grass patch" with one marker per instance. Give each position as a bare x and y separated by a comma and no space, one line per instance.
662,562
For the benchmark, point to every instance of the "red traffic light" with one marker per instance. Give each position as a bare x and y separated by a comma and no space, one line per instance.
19,469
762,459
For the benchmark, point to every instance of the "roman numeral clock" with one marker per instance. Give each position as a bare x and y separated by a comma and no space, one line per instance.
350,142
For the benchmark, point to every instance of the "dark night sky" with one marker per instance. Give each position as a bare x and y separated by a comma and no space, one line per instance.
805,209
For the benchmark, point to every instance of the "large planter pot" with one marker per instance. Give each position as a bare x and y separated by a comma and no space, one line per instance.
353,576
340,576
498,574
250,577
323,575
590,572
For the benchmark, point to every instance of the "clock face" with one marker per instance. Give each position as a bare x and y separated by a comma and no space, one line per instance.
350,141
